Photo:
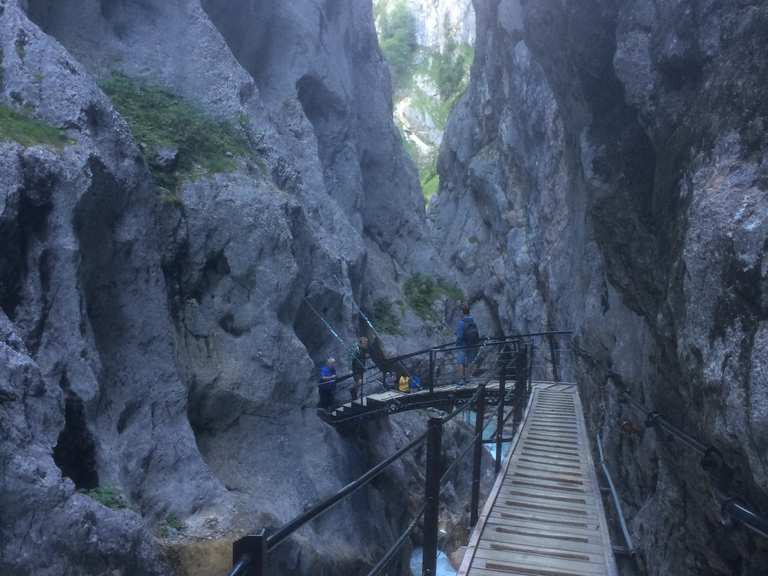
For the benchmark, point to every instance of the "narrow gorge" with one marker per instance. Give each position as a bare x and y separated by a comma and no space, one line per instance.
201,201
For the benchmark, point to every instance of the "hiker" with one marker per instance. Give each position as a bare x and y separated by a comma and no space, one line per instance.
327,386
416,377
467,334
359,358
404,383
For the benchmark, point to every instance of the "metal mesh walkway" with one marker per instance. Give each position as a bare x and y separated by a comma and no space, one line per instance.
545,515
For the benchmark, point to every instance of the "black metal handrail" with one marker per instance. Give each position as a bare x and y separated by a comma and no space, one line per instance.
430,373
391,361
451,346
614,496
250,553
393,550
713,464
241,566
282,534
733,509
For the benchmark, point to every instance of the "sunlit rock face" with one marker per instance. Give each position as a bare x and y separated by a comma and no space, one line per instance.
606,172
157,341
440,19
439,38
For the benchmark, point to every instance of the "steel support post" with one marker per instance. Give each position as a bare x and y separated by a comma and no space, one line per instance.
251,552
431,371
521,370
478,456
529,387
500,416
555,355
432,493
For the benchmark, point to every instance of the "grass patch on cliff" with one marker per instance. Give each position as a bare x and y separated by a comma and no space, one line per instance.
423,291
28,131
179,140
430,183
385,318
108,496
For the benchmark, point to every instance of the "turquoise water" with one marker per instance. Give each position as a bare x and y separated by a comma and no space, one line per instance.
490,426
444,567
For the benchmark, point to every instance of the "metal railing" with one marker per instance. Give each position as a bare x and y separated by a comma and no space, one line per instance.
251,553
630,547
733,509
439,367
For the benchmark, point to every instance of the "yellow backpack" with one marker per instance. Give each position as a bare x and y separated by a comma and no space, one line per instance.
404,384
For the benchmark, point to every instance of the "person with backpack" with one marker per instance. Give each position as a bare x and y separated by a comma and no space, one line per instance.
327,386
467,334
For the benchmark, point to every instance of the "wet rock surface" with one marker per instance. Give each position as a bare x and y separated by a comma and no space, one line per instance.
606,171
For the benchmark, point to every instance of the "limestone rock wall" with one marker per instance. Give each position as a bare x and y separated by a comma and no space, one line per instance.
606,172
158,343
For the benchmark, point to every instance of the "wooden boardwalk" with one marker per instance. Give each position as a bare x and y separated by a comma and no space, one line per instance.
545,515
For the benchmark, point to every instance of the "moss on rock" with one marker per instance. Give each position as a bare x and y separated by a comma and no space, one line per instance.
27,131
179,140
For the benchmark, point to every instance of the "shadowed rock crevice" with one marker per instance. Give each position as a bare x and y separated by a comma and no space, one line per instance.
249,27
74,452
335,145
23,231
95,219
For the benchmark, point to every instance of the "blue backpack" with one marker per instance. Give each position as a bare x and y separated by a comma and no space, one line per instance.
470,332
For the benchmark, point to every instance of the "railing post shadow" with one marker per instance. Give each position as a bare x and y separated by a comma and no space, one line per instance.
249,555
500,414
432,494
478,456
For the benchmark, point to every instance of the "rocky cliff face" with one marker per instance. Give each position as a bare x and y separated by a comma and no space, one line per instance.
187,176
606,171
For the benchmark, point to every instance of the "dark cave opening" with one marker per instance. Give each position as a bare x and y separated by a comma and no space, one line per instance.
75,451
322,107
29,227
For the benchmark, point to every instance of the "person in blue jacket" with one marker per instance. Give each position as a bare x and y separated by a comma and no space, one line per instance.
468,335
327,386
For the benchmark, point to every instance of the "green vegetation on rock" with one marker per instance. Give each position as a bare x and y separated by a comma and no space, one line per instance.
171,524
397,38
423,291
109,497
432,79
179,140
384,317
27,131
430,183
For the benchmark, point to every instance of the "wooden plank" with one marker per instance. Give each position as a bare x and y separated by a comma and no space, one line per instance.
546,517
581,561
